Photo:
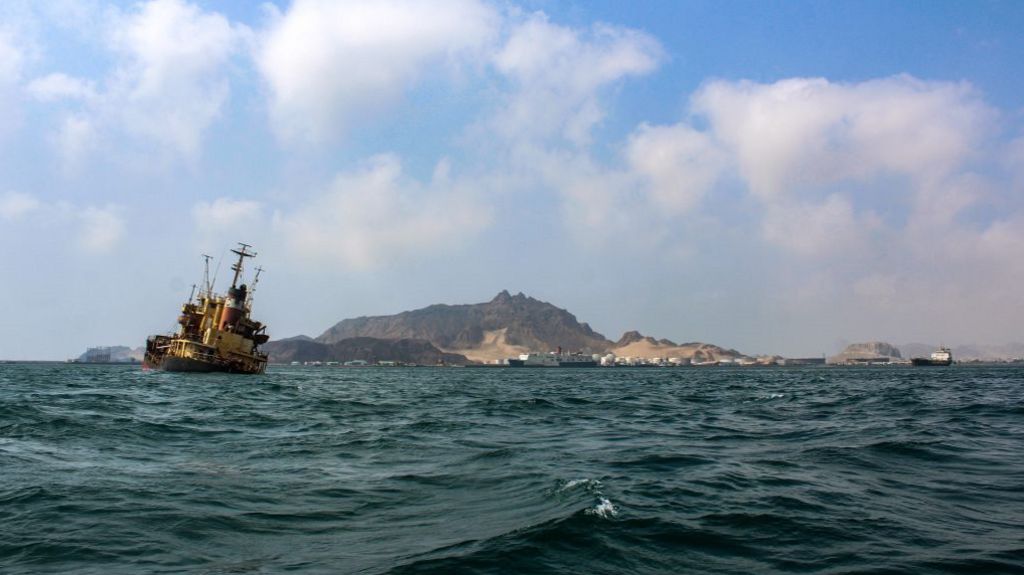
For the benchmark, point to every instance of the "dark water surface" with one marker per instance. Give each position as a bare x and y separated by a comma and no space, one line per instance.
107,469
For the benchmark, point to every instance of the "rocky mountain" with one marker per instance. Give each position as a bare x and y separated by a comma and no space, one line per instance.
871,350
506,325
631,337
368,349
112,353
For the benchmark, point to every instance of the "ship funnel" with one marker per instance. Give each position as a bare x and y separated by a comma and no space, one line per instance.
233,307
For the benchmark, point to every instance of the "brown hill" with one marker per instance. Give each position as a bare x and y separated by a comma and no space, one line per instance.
634,344
505,326
408,351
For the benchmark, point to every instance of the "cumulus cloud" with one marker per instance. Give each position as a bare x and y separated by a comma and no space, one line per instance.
93,229
226,219
327,62
14,205
819,229
895,145
804,132
168,84
377,215
678,163
558,73
100,228
171,83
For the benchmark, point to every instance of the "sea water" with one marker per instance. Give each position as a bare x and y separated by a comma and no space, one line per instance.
112,469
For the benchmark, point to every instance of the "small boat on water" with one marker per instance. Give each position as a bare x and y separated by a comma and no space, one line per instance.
553,359
215,331
940,357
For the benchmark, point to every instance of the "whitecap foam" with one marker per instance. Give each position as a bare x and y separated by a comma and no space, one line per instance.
605,509
589,484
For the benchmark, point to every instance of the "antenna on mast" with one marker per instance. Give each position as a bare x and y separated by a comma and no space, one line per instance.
252,288
216,273
207,288
242,254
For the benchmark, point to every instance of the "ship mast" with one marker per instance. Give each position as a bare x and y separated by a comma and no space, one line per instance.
242,254
252,288
207,288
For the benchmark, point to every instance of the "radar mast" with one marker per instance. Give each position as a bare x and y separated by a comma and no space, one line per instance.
242,254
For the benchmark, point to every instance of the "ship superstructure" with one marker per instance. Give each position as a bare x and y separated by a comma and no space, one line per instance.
940,357
215,332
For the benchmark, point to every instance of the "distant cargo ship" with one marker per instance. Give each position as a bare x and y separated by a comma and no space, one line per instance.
941,357
553,359
216,332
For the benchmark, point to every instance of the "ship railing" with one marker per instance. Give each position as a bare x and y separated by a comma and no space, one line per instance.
195,351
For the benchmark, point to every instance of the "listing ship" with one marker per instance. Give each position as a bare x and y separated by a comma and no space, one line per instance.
215,331
941,357
553,359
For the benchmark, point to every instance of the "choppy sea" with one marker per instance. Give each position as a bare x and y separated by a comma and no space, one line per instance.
111,469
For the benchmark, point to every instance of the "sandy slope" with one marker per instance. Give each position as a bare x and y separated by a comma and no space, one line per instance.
649,350
493,347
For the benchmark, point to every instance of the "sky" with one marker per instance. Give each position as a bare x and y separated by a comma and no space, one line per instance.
775,177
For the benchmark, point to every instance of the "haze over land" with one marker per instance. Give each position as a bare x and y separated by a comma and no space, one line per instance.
771,178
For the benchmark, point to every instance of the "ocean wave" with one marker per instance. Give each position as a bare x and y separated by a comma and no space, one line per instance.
604,509
110,470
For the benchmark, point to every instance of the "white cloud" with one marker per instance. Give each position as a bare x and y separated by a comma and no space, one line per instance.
100,228
11,58
12,61
227,218
558,73
14,205
539,134
829,228
377,215
894,145
327,62
74,140
809,132
93,229
171,83
59,86
679,163
168,85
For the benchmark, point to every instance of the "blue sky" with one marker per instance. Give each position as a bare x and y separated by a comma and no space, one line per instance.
778,177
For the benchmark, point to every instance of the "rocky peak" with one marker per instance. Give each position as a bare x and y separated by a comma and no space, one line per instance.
527,322
504,298
633,337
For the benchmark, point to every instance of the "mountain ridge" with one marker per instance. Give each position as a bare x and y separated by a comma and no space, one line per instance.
508,321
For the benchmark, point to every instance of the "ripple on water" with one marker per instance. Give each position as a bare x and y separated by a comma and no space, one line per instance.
108,469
